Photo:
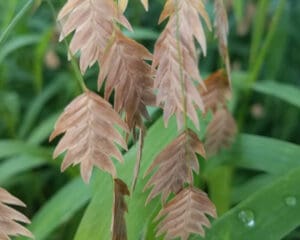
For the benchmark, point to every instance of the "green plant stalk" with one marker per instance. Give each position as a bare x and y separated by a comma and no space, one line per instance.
238,7
15,20
74,65
220,183
267,43
258,30
259,61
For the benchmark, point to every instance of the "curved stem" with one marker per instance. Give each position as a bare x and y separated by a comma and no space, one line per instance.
75,67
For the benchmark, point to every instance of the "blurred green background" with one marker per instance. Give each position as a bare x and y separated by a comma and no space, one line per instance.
37,82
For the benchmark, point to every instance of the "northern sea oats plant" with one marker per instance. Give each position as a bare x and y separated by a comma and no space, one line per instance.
172,82
162,187
10,218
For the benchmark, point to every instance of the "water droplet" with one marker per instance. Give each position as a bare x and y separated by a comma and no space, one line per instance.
290,201
247,218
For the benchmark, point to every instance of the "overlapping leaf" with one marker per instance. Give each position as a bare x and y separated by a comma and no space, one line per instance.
189,22
216,92
175,165
222,29
127,73
88,123
176,60
220,131
119,231
93,23
9,217
186,214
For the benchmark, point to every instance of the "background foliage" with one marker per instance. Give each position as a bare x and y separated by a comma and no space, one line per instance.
255,185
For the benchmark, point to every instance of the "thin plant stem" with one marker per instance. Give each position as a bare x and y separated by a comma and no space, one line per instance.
259,61
183,87
74,64
258,31
15,20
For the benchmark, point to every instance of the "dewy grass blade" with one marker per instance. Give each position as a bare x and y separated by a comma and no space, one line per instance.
271,213
279,157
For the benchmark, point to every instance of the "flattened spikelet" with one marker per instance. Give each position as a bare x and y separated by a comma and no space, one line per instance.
176,60
93,23
88,123
127,73
175,165
216,92
186,214
222,29
145,4
220,131
119,231
123,4
9,217
190,23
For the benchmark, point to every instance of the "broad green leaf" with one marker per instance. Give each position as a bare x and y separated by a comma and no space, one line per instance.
285,92
16,43
242,191
17,165
248,150
277,157
263,154
43,130
269,214
60,208
9,148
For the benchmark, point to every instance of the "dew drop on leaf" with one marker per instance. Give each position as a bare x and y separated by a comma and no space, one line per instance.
290,201
247,218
